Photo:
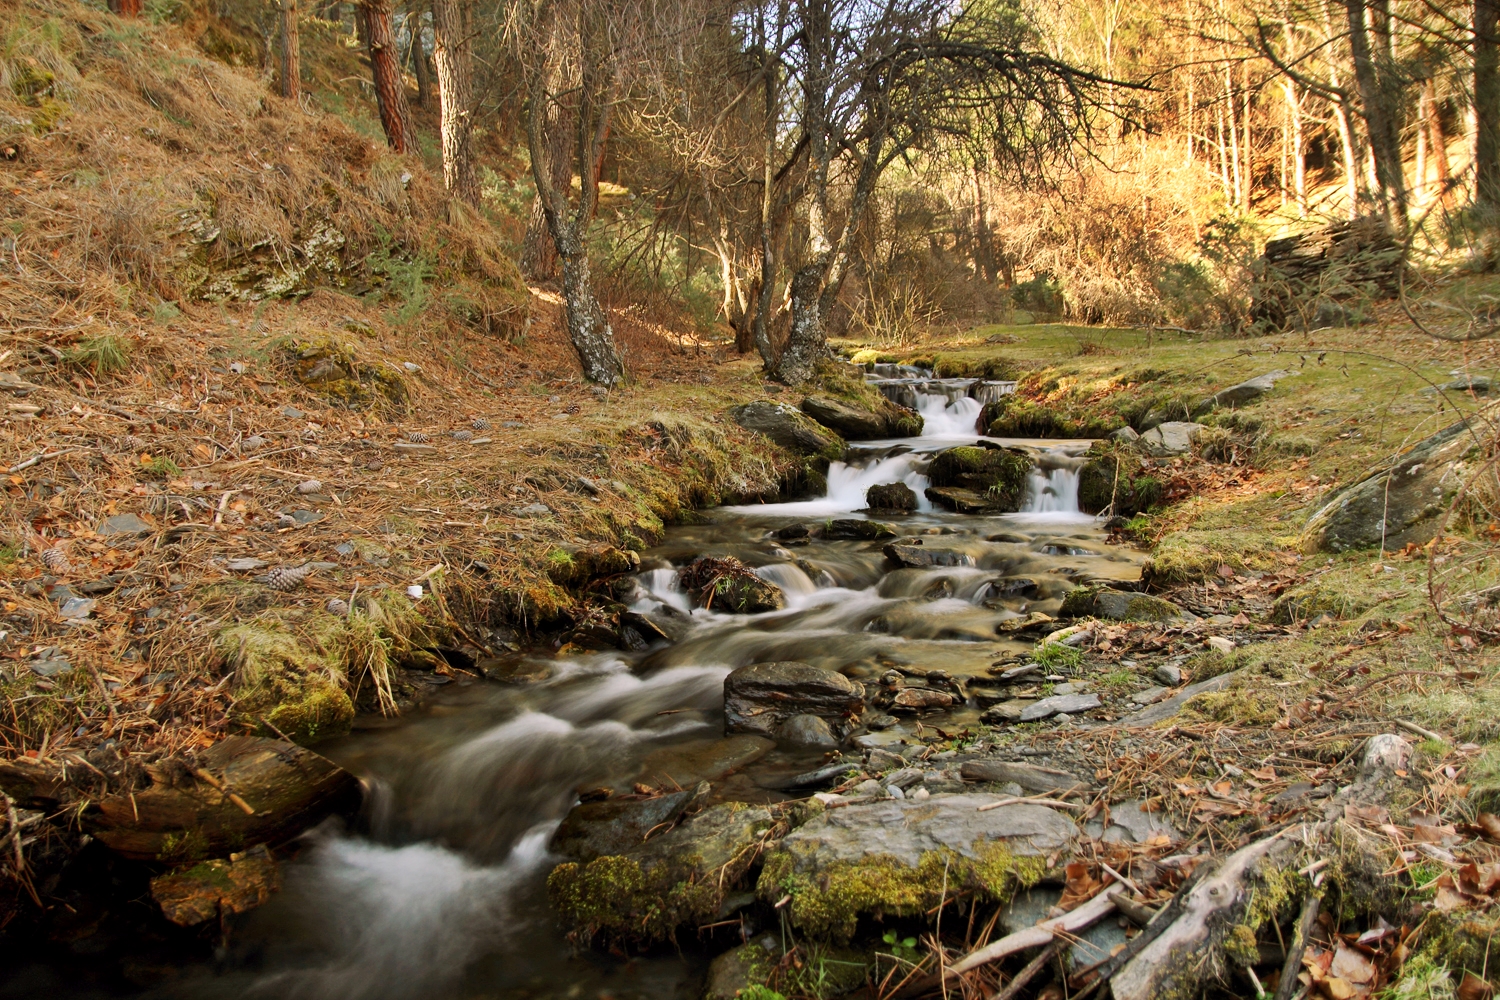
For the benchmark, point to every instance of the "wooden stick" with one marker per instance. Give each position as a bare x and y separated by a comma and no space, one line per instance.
1026,975
1036,936
1410,727
1039,799
1288,984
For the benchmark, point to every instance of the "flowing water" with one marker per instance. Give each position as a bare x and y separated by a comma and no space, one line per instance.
439,889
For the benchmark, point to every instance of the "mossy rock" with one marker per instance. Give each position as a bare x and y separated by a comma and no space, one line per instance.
999,473
334,371
570,565
284,684
1018,417
726,584
1308,601
1195,554
678,878
1119,605
1111,480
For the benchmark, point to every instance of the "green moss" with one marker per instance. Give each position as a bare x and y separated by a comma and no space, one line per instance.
1319,597
334,371
1193,555
829,902
1235,706
186,845
1017,416
1002,473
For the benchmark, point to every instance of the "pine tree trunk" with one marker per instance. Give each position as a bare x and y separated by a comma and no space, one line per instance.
538,252
385,67
455,72
419,64
1380,119
806,344
1487,102
1438,144
291,52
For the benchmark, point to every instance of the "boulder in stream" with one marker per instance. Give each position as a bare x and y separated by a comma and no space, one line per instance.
845,528
788,427
921,556
241,791
893,856
998,474
857,423
759,697
891,497
619,824
726,584
211,890
1398,503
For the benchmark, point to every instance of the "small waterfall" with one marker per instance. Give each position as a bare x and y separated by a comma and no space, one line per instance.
942,418
1052,491
847,483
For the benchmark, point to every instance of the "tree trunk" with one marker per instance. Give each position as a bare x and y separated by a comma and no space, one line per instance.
455,74
806,345
126,8
1487,102
362,24
538,252
1419,168
419,64
385,67
1298,145
588,327
291,51
1438,144
770,116
1380,119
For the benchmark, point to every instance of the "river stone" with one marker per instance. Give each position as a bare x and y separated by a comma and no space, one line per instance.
1175,437
758,698
1386,752
214,889
788,427
1121,605
733,973
1239,395
1168,674
616,825
891,496
123,524
846,528
962,501
918,699
851,422
1029,776
702,760
1396,504
1126,435
180,817
806,731
923,557
1006,711
1135,824
1063,704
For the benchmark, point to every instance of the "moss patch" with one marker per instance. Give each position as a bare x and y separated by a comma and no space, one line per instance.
1001,473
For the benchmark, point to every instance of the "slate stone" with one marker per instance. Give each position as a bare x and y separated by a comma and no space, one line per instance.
1175,437
616,825
806,731
1239,395
1029,776
1140,825
786,426
124,524
1070,704
922,556
759,697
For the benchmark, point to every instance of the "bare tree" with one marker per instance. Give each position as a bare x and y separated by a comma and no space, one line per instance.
1379,97
419,64
291,52
385,67
451,34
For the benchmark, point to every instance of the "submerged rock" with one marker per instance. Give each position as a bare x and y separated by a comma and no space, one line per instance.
891,496
679,877
893,856
788,427
704,760
1396,504
261,791
846,528
923,556
760,697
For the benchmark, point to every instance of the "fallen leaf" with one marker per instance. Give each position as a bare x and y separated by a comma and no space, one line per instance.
1372,816
1351,965
1490,824
1337,988
1474,988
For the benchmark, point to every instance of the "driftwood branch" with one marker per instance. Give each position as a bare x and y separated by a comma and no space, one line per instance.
1288,984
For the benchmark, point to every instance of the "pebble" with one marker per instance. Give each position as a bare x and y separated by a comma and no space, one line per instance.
1223,645
867,787
1167,675
895,792
920,794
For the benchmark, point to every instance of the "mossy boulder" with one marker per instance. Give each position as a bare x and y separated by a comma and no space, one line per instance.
1000,474
1120,605
1112,480
677,878
788,427
864,420
726,584
1310,600
334,371
892,497
896,858
1015,416
285,684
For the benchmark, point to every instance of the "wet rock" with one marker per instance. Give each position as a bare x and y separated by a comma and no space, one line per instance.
726,584
652,628
788,427
733,973
962,501
1126,435
183,816
828,774
1239,395
891,496
1396,504
1120,605
1175,437
924,556
686,764
1031,622
846,528
806,731
1386,752
210,890
856,423
1167,675
758,698
1069,704
675,878
998,474
572,565
920,699
791,532
1114,480
892,856
881,722
1029,776
617,825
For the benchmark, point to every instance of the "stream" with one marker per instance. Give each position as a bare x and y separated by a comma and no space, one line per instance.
439,889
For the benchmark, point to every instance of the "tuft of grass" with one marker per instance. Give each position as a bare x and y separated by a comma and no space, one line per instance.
160,467
1056,656
104,355
1422,979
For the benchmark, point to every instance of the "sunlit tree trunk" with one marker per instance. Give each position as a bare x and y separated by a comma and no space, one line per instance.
291,54
385,67
1297,145
1379,112
1419,167
455,74
1438,145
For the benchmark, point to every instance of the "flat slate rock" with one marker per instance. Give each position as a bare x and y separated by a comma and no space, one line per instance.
1070,704
689,763
905,829
759,697
123,524
618,825
1166,709
1029,776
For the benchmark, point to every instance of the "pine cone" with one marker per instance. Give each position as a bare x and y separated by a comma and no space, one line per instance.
56,560
287,577
463,435
285,521
417,437
131,443
252,443
480,424
337,606
309,486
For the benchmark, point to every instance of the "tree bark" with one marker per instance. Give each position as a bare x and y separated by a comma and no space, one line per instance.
385,67
126,8
455,73
1487,102
806,344
291,51
1379,112
419,63
1438,144
770,119
538,251
1298,145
